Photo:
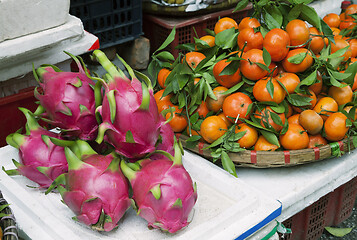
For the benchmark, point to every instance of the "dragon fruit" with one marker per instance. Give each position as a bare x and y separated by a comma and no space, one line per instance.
94,188
166,143
40,160
68,100
162,190
131,121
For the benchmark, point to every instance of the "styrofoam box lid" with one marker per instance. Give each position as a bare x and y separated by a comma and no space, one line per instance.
48,46
22,17
226,208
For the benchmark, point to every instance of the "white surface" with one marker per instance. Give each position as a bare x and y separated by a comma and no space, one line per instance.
226,207
18,55
323,7
299,186
22,17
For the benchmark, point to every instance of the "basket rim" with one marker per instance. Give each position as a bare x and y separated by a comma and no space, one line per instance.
286,158
8,223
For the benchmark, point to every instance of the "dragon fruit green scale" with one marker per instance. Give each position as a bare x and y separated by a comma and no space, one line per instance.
163,191
94,188
68,100
131,121
40,160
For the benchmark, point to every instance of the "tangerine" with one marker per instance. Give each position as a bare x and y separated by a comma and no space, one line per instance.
335,126
212,128
289,80
262,144
342,95
332,19
325,106
311,121
298,32
248,22
216,105
276,42
316,141
236,106
299,66
178,122
261,93
194,58
248,65
162,75
249,138
227,81
248,39
294,138
224,24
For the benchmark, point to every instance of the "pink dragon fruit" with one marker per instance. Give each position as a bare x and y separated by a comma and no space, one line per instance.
40,160
166,143
94,188
68,100
131,121
163,191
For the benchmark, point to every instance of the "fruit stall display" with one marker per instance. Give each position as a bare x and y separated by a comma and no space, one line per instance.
265,85
275,89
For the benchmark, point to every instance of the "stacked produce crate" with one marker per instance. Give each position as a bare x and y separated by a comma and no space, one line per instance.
158,22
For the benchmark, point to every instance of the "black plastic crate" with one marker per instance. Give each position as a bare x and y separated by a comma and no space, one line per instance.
112,21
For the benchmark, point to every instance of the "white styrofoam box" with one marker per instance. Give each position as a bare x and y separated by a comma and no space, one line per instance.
323,7
299,186
45,47
227,208
22,17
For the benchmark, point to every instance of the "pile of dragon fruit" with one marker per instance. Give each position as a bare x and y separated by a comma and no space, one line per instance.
111,149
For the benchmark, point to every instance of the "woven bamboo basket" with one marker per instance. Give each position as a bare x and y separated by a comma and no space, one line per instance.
8,222
266,159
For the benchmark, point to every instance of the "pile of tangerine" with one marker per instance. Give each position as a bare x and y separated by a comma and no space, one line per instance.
314,125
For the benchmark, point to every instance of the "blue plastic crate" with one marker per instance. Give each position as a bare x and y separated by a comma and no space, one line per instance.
112,21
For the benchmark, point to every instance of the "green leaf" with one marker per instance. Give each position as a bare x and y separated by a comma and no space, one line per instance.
309,80
354,141
294,13
234,88
279,108
231,68
228,164
338,232
298,58
193,138
339,75
233,147
273,17
262,66
270,137
338,53
310,15
298,100
217,142
262,3
226,39
276,118
333,80
353,70
270,88
327,31
165,56
266,57
241,5
168,40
